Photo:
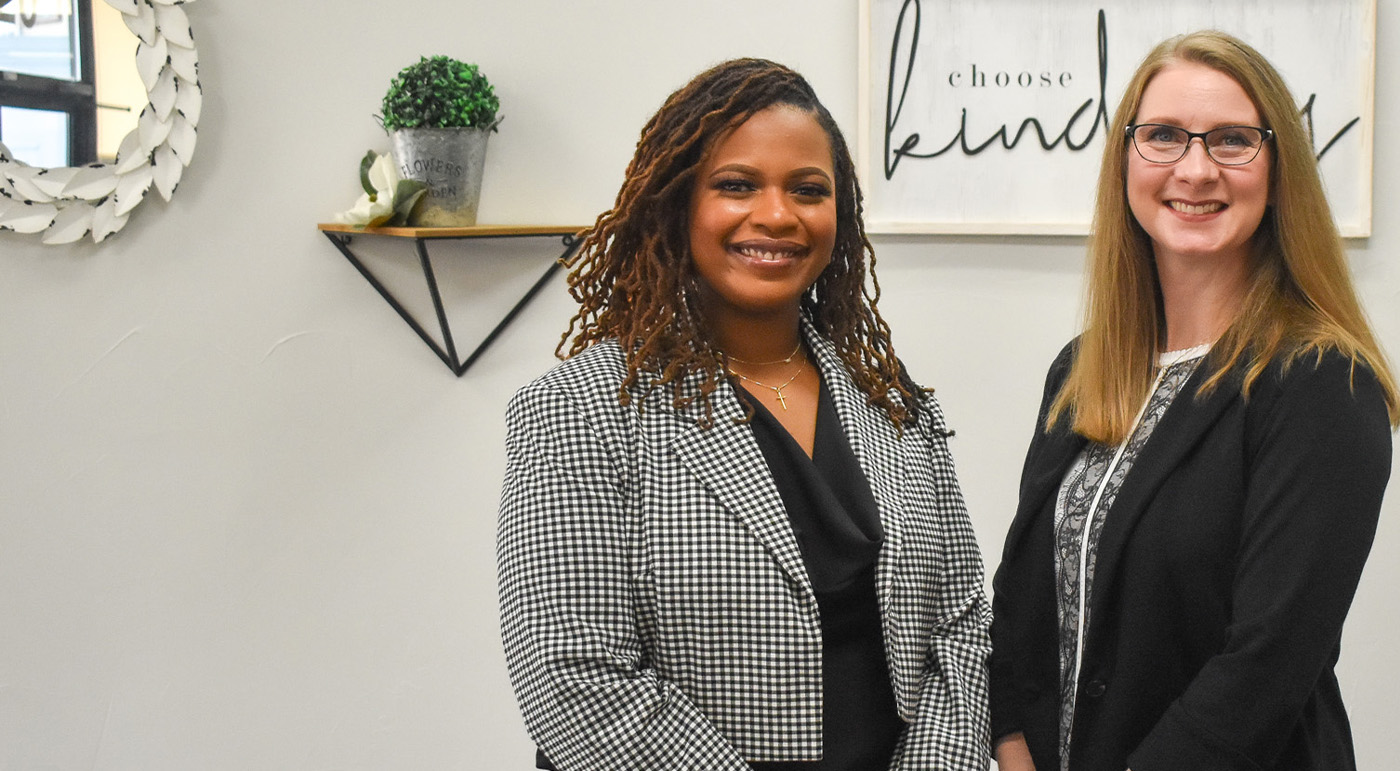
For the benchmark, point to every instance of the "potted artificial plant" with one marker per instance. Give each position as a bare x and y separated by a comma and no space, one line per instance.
439,113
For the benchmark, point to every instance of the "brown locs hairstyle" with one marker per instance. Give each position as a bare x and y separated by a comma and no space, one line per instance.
1300,297
634,279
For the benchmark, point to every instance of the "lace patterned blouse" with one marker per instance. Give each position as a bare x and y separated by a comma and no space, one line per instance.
1086,495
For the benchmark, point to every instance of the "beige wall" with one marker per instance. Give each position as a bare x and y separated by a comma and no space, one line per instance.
246,517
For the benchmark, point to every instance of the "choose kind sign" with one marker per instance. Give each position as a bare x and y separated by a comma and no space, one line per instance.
990,116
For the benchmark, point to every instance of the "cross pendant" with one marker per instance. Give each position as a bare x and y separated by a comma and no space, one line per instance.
781,399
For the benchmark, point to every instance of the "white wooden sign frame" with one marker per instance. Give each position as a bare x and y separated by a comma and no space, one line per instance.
946,86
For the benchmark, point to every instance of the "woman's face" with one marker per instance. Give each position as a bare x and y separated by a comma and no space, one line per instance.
1196,208
763,213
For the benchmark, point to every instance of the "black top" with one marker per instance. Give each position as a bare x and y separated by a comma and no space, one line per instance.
837,523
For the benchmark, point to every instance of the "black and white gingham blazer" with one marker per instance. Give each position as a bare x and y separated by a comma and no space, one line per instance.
655,609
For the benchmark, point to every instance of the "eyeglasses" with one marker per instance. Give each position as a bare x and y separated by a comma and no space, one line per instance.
1227,145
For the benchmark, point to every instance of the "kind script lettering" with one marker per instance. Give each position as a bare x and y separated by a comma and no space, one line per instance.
906,46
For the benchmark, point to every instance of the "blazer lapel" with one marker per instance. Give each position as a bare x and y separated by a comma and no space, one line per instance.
1046,462
1181,429
878,450
726,459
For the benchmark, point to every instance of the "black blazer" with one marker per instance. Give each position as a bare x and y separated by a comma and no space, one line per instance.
1224,572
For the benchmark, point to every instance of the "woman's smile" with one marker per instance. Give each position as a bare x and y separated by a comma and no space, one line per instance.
769,252
1195,209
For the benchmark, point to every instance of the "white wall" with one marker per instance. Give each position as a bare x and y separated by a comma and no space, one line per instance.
246,518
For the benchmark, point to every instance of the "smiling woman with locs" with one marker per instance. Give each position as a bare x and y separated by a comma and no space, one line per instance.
730,532
1206,474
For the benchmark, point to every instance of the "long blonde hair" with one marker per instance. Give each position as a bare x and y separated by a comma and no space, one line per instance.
1299,298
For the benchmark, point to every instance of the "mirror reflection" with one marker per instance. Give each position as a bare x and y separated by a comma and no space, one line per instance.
69,91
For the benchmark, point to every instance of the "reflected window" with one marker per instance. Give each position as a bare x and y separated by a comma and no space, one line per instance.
39,137
47,95
40,37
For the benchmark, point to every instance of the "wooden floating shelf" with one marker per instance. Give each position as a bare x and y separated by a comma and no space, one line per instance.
343,235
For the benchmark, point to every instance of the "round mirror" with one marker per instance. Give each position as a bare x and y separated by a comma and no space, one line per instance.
85,129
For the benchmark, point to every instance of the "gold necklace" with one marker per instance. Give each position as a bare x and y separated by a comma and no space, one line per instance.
787,360
776,389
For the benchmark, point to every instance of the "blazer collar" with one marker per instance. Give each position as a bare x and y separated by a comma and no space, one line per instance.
878,448
1181,429
725,457
1047,460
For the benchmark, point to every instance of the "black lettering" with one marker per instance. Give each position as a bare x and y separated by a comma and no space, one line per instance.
1307,113
905,149
891,109
907,34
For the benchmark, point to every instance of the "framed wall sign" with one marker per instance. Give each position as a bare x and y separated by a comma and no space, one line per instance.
991,117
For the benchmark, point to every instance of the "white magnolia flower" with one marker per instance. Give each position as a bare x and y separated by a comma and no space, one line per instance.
382,174
386,198
366,210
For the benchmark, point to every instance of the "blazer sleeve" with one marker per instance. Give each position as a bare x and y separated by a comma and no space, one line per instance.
1319,451
1008,709
567,556
949,730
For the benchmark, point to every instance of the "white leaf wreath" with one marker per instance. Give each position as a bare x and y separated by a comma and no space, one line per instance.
67,203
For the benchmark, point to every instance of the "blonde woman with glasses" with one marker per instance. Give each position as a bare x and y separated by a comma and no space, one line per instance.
1206,474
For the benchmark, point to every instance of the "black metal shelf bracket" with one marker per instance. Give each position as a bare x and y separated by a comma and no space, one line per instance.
447,351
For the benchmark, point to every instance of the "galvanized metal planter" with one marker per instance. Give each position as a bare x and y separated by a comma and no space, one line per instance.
450,161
